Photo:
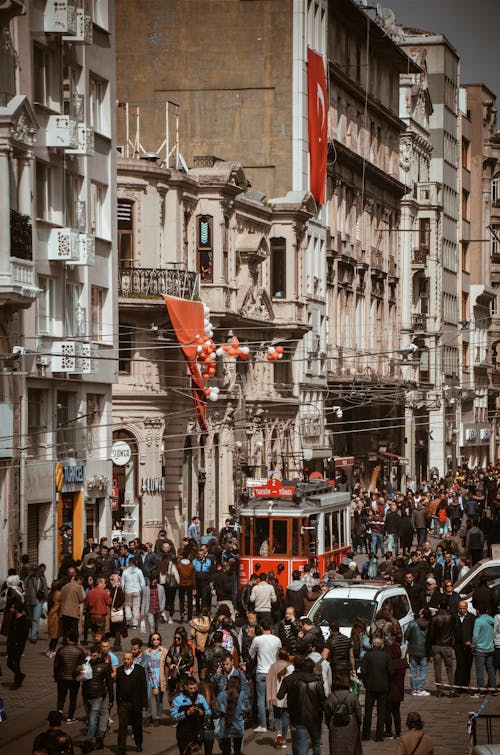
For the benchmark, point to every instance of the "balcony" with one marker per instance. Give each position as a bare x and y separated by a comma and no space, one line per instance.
72,357
419,322
64,245
58,131
149,283
419,258
60,17
85,144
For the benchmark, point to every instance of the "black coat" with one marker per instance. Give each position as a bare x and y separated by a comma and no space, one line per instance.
463,629
442,629
376,670
306,698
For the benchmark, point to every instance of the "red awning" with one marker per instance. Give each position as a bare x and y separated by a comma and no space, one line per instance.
187,318
343,461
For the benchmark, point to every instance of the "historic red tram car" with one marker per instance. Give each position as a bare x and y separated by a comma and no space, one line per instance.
286,525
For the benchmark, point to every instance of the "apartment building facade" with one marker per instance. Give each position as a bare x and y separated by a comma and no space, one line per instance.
61,196
203,234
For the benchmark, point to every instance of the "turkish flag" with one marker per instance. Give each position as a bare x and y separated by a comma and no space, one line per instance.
318,124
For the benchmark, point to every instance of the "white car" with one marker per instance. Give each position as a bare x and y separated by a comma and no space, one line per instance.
348,599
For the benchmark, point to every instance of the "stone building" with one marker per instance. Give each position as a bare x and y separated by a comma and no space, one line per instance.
57,273
203,234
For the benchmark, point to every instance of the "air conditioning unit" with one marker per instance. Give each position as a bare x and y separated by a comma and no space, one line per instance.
65,357
64,245
86,248
84,29
85,144
60,17
61,131
484,433
85,362
470,434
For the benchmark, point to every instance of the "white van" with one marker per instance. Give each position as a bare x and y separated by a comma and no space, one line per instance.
348,599
490,567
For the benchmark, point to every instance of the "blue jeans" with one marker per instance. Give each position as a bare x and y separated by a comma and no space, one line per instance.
158,700
392,544
94,707
35,613
377,542
280,721
480,661
418,672
260,687
300,740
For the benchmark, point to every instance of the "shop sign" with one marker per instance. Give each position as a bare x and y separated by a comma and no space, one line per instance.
274,489
121,453
153,484
73,474
258,482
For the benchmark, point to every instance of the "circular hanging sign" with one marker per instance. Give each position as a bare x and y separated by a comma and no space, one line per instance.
121,453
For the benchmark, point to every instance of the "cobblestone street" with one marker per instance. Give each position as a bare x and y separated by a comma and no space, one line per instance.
445,719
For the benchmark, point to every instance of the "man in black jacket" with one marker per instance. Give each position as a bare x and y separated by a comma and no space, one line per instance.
94,692
415,592
66,663
305,702
376,670
131,698
16,641
463,628
288,631
442,642
54,741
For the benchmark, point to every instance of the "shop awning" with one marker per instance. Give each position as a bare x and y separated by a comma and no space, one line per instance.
316,453
395,457
343,461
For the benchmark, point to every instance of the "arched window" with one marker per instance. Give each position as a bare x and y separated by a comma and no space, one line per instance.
205,249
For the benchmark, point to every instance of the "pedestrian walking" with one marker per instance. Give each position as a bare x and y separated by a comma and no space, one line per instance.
396,693
188,708
72,598
462,631
263,596
16,641
54,627
483,648
98,603
133,583
203,567
264,649
232,701
131,700
94,692
415,741
343,717
156,678
187,585
153,604
278,671
36,595
54,741
117,624
376,670
442,643
67,662
305,701
179,661
417,636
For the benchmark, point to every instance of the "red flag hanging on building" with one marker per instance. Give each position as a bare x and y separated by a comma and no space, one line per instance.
187,321
318,124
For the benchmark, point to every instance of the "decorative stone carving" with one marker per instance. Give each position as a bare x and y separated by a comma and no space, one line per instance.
405,153
135,195
257,304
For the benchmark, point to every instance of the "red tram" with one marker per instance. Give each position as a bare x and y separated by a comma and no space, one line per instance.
286,525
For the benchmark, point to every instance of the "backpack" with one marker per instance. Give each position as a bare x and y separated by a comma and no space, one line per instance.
318,669
475,540
442,516
341,713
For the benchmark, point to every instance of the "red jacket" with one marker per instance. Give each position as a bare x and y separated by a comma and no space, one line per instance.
98,601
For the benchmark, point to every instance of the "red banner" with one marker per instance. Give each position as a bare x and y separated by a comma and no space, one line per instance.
318,124
274,489
187,320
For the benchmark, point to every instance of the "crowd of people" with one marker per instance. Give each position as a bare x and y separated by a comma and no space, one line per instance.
255,659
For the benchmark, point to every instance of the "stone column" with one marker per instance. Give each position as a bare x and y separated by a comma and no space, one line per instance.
4,212
24,197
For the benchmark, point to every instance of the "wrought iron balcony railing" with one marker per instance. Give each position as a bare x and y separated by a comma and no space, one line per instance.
149,282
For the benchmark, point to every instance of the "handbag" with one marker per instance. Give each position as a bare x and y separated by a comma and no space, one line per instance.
171,581
116,613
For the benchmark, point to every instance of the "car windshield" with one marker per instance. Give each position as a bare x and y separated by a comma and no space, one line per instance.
343,611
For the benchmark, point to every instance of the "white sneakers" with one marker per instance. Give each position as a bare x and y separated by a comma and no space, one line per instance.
420,693
260,730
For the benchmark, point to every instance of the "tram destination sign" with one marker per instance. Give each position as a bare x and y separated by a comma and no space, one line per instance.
274,489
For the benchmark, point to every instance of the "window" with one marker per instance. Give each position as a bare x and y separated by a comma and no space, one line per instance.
97,301
205,247
465,306
100,13
125,348
73,209
66,424
44,190
465,205
74,313
278,268
97,104
41,75
465,257
495,240
73,102
465,356
46,305
95,443
465,153
37,420
125,233
97,208
495,189
424,234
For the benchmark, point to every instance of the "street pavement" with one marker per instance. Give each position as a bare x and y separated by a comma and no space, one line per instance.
445,718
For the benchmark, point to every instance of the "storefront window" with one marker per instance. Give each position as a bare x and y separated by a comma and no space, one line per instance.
261,538
280,536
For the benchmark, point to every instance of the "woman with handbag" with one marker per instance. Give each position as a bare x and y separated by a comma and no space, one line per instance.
153,604
117,624
157,678
179,660
169,578
54,617
415,742
230,726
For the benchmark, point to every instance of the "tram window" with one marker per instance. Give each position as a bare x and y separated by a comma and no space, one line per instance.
335,529
342,537
261,537
312,536
328,531
280,539
296,537
246,538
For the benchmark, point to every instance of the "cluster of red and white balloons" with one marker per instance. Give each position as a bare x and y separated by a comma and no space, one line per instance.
208,352
274,353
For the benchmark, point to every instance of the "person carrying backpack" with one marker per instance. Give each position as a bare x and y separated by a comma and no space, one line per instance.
343,718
